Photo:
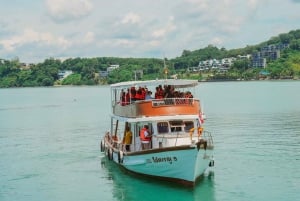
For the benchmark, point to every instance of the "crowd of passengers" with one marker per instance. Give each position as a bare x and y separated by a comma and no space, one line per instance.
142,93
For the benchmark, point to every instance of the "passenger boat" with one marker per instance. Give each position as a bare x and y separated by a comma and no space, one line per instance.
178,147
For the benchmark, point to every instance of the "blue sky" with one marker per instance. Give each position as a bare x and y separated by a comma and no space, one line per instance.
39,29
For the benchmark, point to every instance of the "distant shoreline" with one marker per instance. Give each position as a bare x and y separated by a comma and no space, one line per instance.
203,81
242,80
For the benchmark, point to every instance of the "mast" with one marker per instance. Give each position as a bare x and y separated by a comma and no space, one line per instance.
165,69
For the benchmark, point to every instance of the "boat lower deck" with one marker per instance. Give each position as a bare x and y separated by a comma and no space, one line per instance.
183,164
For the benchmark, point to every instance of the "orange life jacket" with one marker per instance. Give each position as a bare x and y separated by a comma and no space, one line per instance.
138,96
123,99
142,135
127,98
143,94
159,94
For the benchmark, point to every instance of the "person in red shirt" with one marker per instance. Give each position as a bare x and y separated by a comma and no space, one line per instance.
146,137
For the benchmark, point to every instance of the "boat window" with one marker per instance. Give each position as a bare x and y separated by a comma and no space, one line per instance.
162,127
176,126
176,129
188,125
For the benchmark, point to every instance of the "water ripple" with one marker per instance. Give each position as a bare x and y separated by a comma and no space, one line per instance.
28,107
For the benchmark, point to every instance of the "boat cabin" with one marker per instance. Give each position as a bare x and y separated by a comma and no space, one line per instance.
167,131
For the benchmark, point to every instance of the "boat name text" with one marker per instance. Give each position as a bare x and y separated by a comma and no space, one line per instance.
164,159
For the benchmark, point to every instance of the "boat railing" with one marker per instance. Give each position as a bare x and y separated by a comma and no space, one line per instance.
155,107
172,101
159,102
118,145
208,137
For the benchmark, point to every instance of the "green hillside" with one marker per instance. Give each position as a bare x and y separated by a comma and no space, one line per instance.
87,71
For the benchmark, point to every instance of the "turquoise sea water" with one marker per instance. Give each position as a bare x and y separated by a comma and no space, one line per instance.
49,146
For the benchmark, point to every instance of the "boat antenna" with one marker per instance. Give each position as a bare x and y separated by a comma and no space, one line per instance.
165,69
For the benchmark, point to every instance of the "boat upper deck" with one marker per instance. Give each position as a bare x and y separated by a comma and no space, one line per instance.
172,97
157,107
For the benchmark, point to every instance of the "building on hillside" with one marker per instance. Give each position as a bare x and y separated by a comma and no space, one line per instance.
267,53
213,64
258,61
24,66
103,73
109,69
227,62
112,67
138,74
64,73
270,52
247,56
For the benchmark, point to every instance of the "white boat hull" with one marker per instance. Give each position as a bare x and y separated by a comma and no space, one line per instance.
184,165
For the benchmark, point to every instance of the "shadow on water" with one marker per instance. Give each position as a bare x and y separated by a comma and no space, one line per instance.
130,186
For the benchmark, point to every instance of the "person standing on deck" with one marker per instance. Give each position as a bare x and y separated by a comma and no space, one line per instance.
148,95
145,137
127,140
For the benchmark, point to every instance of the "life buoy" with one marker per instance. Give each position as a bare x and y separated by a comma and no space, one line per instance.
120,157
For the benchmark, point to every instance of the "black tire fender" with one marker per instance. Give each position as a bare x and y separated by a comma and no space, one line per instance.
102,146
109,153
120,156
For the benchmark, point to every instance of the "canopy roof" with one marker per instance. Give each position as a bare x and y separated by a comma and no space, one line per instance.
174,82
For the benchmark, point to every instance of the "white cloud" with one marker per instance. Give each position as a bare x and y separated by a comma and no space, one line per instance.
216,41
202,5
65,10
138,28
131,18
253,4
209,13
62,42
124,43
154,43
89,37
164,31
228,23
159,33
31,36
